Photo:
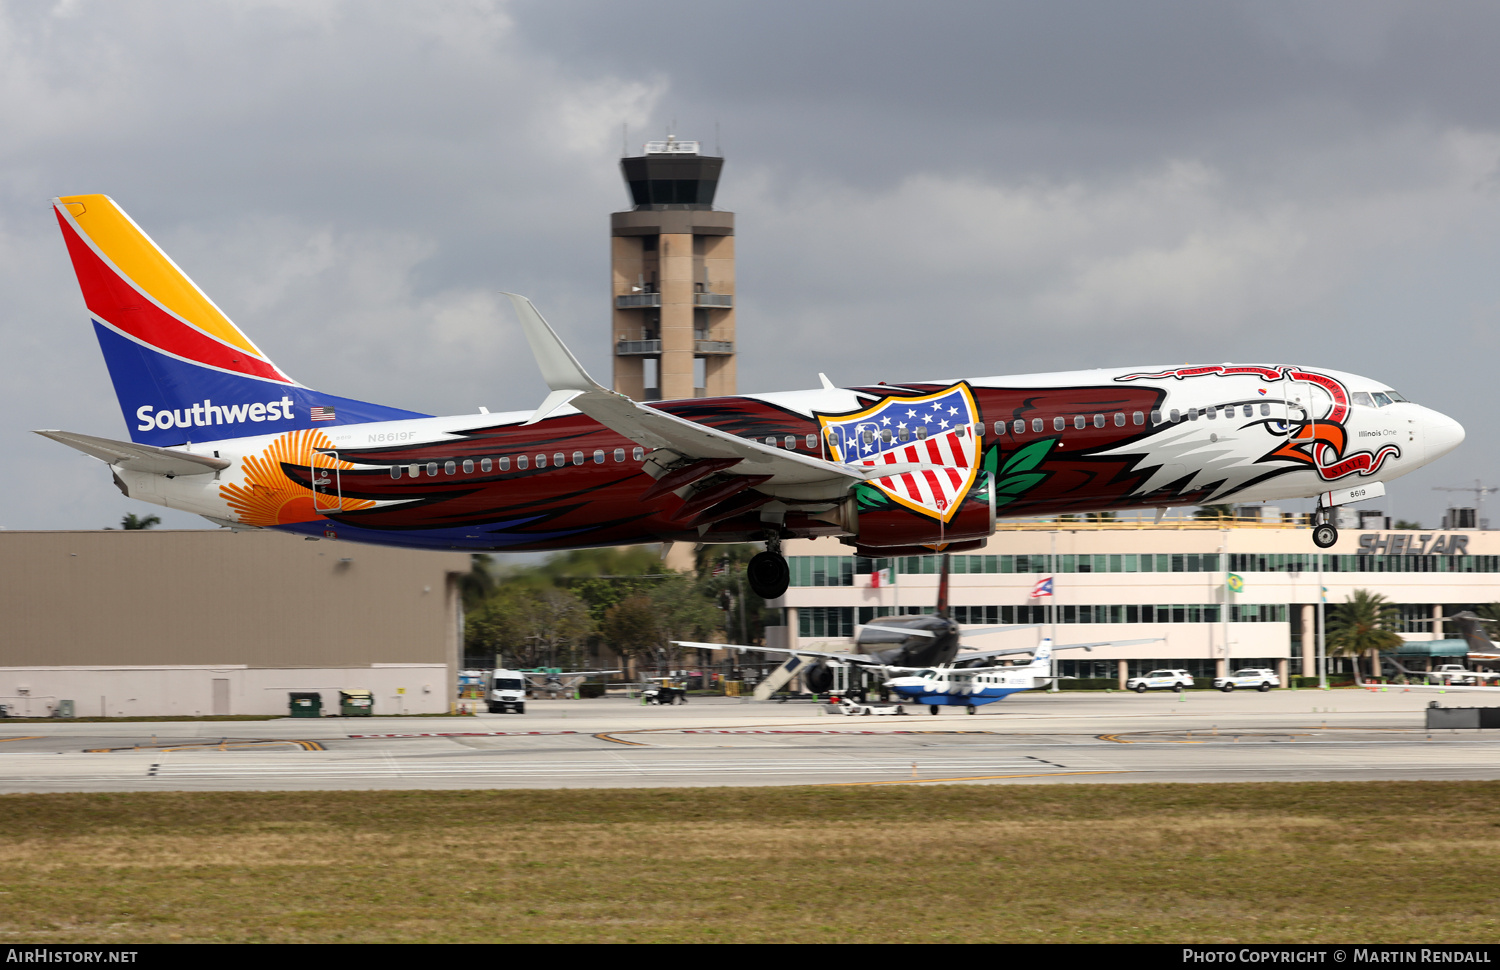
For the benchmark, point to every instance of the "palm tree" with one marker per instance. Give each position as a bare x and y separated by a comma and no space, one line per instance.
133,521
1364,623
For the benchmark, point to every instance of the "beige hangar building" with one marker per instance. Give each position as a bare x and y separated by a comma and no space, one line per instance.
150,623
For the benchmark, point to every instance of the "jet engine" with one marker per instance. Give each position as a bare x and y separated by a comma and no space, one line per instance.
897,530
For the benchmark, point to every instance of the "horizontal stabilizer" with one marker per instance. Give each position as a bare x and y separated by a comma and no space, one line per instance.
139,458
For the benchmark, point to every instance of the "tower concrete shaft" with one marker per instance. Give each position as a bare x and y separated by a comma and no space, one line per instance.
672,269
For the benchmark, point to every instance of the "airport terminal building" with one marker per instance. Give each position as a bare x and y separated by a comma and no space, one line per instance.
1131,581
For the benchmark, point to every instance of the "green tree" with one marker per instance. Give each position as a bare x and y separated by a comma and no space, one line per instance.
1363,624
132,522
532,625
1405,524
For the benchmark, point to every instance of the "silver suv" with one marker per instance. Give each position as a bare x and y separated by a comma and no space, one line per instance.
1160,680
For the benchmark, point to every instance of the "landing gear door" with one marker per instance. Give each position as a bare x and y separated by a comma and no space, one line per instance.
327,492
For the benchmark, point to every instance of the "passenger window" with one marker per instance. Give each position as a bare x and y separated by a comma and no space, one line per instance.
1080,422
432,469
486,465
999,427
541,461
598,456
1059,423
885,436
468,466
1098,420
522,462
1249,410
1020,426
905,434
1265,409
1211,413
395,471
1156,416
559,459
1119,419
449,467
1192,414
1036,424
921,431
1176,416
415,471
1138,418
505,464
771,440
619,454
812,442
639,454
578,458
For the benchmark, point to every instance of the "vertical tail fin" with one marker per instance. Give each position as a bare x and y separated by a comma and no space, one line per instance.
177,361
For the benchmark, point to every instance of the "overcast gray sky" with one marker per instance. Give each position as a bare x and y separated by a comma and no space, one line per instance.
922,190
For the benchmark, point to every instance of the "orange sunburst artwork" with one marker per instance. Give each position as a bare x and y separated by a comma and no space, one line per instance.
268,497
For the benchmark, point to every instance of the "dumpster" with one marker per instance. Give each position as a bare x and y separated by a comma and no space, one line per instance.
356,703
306,704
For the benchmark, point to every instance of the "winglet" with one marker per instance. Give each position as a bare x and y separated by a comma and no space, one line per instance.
560,369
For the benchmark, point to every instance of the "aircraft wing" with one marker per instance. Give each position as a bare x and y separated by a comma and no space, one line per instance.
854,658
1437,687
655,429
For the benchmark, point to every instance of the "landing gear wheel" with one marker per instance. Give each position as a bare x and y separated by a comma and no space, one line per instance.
932,708
769,574
1324,536
972,709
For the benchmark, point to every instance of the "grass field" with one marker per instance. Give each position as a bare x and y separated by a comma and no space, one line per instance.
1347,862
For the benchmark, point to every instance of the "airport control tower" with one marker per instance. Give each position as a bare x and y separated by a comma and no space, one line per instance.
672,269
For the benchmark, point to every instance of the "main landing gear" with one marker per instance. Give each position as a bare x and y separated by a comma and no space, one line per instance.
1324,534
768,572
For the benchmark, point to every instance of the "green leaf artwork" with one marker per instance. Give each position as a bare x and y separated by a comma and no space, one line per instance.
1017,476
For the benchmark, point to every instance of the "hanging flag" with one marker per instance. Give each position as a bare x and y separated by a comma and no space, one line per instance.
880,577
1325,593
1042,588
722,567
1236,583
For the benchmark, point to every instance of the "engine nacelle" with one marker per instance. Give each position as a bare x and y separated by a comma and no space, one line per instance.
891,528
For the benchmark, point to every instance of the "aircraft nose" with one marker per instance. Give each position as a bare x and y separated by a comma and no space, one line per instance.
1443,435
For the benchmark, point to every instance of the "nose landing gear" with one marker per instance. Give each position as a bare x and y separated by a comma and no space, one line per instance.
1324,534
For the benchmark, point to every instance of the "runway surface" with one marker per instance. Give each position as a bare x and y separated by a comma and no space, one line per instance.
616,743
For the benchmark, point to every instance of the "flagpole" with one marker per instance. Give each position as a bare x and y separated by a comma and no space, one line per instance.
1052,608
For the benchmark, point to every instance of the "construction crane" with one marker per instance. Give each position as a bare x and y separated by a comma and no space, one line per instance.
1479,489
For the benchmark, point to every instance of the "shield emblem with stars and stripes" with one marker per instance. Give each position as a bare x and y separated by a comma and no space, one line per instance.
938,430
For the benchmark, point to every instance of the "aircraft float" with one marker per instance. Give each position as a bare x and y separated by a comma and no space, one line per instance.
218,429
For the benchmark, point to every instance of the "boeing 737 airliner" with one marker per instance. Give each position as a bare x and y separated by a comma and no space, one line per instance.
216,428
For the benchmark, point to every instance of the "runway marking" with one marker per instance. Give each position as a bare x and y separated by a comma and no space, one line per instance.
221,745
29,737
457,734
927,781
1119,740
637,744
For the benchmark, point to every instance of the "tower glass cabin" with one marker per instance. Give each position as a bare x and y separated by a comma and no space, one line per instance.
672,277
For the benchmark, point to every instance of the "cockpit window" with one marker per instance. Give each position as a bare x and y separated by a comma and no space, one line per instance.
1395,398
1381,400
1363,397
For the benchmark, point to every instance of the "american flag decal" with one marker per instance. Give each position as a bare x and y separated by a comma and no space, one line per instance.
320,414
936,429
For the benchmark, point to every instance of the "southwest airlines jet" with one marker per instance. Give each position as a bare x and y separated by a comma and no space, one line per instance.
216,428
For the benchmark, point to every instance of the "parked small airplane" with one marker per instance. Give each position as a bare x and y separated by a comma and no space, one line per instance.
1482,651
216,428
556,682
969,687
